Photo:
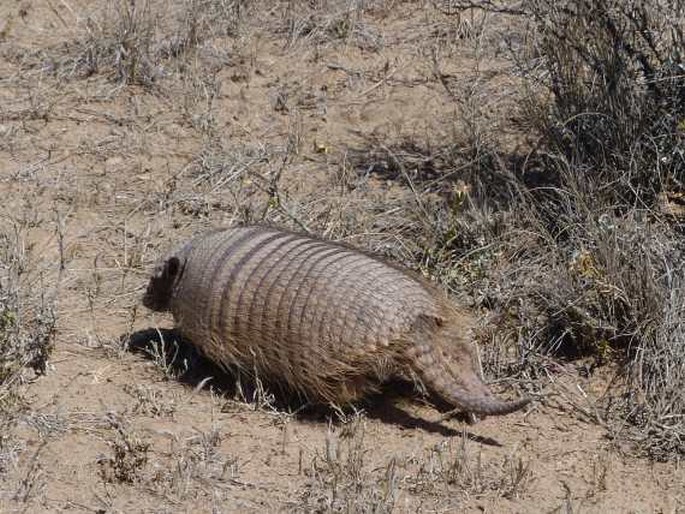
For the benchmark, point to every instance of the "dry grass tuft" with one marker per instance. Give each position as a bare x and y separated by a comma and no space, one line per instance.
27,319
347,477
141,42
341,481
195,460
27,328
129,456
315,24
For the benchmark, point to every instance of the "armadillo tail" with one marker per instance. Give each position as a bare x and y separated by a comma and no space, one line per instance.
490,406
459,385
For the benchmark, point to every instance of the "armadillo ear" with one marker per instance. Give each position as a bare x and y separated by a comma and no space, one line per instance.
172,267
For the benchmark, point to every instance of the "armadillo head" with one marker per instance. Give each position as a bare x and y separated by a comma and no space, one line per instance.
162,283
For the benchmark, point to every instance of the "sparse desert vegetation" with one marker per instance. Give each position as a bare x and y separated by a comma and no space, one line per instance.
528,156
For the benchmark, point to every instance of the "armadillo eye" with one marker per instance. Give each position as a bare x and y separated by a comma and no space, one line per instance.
172,266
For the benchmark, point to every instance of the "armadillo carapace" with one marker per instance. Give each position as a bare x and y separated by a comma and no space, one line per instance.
324,319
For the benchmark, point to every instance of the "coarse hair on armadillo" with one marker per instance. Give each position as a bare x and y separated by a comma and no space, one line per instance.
326,320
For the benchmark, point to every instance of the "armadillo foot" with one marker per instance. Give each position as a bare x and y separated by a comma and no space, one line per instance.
471,417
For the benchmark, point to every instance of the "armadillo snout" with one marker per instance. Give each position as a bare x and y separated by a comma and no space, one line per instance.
158,294
153,300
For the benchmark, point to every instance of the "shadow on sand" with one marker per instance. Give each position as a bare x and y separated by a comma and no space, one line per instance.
182,360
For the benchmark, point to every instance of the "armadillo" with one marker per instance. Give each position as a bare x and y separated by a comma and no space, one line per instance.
323,319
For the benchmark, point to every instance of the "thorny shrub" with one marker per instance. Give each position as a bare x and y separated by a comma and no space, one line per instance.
569,247
580,260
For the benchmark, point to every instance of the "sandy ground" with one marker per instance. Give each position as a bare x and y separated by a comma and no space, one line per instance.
103,176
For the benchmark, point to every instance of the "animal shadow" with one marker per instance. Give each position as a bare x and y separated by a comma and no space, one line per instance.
179,359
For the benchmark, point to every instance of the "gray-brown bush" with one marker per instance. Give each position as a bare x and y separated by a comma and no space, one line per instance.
573,250
614,139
